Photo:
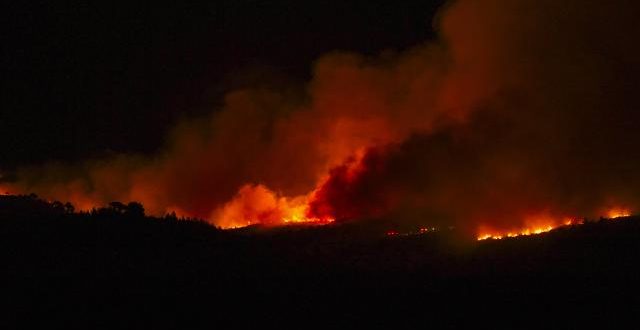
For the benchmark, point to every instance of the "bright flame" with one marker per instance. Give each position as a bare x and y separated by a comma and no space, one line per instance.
611,214
618,213
298,214
258,204
522,232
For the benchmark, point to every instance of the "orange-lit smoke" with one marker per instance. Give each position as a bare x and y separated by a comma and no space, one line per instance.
521,114
5,190
256,204
266,138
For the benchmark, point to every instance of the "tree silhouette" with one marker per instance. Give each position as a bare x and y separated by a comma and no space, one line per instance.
118,207
134,209
69,208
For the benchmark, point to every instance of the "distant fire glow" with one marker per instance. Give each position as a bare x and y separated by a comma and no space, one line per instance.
524,232
4,191
618,213
612,214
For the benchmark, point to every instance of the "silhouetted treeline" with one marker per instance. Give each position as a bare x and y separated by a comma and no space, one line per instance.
114,263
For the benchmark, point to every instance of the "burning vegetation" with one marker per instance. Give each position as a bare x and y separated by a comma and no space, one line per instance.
510,123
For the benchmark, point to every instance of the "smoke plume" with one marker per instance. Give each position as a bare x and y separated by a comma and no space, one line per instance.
522,112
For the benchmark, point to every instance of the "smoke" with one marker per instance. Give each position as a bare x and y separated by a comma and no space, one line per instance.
521,112
552,132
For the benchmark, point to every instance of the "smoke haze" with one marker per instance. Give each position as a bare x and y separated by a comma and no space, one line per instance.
522,112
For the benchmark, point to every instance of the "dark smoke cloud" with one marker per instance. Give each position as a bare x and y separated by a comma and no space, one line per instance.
554,132
523,111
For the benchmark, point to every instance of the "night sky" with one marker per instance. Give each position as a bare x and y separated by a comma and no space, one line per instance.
85,80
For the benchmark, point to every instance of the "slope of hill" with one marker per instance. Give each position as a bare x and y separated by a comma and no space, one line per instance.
116,264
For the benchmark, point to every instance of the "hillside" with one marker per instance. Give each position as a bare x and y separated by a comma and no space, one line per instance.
116,260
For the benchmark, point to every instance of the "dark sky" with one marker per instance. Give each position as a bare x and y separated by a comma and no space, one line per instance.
85,78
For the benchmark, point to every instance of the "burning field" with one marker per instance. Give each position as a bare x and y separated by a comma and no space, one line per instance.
520,117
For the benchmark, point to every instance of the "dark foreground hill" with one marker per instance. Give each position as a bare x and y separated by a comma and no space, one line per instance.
114,266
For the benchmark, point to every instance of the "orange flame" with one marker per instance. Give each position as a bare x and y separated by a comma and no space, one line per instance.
618,213
522,232
258,204
611,214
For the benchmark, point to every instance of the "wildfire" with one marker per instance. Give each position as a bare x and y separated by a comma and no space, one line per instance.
612,214
298,214
257,204
4,188
618,213
523,232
